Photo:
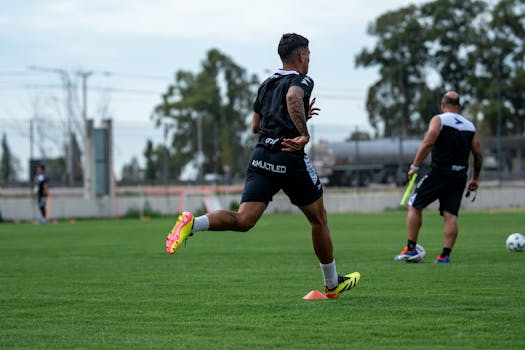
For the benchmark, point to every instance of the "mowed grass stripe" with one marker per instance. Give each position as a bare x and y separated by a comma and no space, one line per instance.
110,284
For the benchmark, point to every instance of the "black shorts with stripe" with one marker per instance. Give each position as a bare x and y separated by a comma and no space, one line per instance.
445,186
270,171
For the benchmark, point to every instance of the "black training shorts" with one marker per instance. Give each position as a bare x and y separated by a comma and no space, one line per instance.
270,171
446,186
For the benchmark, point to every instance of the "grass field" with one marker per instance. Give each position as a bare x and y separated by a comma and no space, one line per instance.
110,284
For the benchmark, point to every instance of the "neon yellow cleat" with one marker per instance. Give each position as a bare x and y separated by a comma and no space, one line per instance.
179,232
346,282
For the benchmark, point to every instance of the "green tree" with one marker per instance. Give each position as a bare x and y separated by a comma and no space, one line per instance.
154,156
131,171
358,135
208,111
421,52
402,57
151,170
451,35
501,62
8,163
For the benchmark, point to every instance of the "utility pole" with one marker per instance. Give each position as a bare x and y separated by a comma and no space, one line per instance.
401,170
84,75
499,153
89,160
31,154
165,156
67,83
88,140
200,156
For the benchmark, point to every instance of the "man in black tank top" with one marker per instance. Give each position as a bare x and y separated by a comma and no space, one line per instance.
451,138
281,110
42,191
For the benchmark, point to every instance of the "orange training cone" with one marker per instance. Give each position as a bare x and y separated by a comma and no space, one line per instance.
314,295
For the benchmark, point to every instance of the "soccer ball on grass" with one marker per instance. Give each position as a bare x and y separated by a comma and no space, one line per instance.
515,243
420,256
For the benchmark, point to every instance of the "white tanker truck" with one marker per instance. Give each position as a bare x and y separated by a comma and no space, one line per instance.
359,163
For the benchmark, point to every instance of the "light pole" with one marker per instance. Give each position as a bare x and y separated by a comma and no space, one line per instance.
89,162
165,156
88,142
84,75
402,127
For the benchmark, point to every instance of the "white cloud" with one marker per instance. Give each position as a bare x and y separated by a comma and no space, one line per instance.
158,37
234,20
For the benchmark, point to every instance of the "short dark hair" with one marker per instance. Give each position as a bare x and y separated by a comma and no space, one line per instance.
451,101
289,43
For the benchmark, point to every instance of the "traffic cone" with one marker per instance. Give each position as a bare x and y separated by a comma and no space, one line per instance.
314,295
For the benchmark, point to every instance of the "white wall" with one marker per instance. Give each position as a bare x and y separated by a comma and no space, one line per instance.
68,207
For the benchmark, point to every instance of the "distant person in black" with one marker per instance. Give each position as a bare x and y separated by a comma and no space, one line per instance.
281,110
451,138
42,191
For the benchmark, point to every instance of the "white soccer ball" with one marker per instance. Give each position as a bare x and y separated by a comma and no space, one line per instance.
516,243
421,254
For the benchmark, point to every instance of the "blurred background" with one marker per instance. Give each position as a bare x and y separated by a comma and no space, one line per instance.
118,97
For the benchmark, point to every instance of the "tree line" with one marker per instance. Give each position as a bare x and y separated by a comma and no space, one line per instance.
9,163
206,115
469,46
475,47
472,46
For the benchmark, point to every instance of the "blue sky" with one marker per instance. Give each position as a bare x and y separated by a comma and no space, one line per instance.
134,48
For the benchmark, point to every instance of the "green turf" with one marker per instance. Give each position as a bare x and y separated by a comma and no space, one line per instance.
109,284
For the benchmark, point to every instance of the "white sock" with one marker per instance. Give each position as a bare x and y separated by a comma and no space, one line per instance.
330,275
201,223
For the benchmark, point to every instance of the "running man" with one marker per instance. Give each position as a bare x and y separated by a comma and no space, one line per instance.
451,138
281,110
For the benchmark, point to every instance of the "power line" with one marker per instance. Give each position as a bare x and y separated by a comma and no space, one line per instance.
31,70
15,72
98,88
139,76
339,97
328,95
157,92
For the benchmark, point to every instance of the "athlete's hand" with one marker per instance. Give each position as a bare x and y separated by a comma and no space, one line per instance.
411,173
312,110
472,185
295,144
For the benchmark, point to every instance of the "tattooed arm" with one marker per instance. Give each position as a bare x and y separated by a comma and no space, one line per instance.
295,105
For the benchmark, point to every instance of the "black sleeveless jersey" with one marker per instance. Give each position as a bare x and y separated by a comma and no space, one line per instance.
270,104
451,150
41,179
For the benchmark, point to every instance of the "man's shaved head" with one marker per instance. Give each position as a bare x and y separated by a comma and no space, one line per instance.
451,98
